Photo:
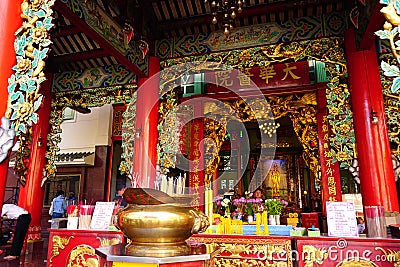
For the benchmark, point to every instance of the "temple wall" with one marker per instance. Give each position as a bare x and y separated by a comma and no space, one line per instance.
94,129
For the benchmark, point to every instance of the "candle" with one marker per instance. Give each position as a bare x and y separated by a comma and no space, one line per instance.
179,185
258,223
210,197
164,183
183,183
206,206
170,186
265,222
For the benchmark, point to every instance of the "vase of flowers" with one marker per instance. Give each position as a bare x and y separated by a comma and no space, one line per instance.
247,207
275,207
226,204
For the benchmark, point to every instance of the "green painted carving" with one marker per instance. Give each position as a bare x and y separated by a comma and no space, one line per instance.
78,99
391,32
392,106
31,47
128,137
104,76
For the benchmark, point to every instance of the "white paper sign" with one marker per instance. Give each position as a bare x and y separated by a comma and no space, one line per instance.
341,218
102,215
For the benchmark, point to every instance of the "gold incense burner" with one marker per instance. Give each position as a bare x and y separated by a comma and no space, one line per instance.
157,224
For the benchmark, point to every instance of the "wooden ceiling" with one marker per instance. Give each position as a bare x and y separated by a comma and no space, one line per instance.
73,49
173,18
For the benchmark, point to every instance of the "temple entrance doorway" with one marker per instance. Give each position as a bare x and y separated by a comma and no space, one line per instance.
282,175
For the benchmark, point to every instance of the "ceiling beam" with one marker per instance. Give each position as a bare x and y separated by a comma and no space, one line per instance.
64,10
149,19
252,11
65,31
81,56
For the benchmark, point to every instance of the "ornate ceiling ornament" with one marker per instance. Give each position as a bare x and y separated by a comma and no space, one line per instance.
229,10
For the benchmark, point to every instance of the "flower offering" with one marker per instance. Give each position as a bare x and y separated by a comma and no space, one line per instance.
275,206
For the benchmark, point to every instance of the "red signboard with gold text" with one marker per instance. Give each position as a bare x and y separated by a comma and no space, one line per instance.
271,76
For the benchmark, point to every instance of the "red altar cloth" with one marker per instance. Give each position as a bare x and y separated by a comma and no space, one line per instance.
77,247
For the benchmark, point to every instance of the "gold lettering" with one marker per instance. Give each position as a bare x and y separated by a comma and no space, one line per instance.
244,76
288,71
332,190
327,154
267,72
196,153
223,78
332,198
328,163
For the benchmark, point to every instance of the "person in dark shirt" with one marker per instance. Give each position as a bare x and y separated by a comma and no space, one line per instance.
119,199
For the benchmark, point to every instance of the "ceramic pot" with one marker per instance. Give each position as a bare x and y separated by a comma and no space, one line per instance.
278,219
271,219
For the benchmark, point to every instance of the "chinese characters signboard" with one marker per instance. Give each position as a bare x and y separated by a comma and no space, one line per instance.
271,76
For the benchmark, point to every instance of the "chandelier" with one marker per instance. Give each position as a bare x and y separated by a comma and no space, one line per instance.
269,128
229,10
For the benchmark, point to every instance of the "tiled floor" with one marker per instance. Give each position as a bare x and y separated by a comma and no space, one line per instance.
37,260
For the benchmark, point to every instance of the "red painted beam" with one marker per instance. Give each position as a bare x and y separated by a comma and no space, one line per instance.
64,10
266,92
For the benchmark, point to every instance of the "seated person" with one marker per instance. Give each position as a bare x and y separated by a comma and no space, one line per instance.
360,225
119,199
258,194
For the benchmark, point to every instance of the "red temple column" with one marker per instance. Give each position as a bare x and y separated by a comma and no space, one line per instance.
378,186
31,196
145,151
330,173
10,11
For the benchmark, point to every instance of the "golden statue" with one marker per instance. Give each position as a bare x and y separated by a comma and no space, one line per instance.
275,177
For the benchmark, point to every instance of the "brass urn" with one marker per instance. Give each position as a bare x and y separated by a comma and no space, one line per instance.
157,224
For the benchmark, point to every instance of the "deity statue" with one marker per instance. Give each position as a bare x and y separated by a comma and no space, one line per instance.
275,177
